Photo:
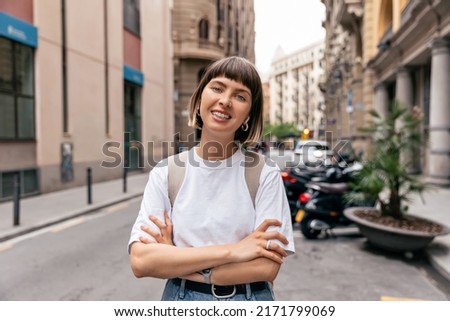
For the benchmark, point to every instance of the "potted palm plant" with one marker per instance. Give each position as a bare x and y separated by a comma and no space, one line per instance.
386,178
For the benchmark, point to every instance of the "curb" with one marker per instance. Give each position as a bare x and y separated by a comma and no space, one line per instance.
434,258
70,215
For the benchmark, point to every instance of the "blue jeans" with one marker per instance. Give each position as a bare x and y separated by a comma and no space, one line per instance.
174,292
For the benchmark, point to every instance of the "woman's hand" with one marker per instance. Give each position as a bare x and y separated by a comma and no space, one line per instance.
253,246
165,234
260,244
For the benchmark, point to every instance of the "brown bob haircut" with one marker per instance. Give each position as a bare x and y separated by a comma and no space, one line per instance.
241,70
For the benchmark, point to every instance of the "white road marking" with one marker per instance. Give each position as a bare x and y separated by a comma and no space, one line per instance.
5,246
395,298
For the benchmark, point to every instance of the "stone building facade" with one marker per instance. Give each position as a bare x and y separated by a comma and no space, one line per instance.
343,82
404,50
204,31
412,66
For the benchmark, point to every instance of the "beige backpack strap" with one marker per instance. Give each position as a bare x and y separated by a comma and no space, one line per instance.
177,170
254,164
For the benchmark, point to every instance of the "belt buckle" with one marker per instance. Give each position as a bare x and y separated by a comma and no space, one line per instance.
225,296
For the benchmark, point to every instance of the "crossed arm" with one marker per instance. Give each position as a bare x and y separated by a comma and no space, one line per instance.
245,261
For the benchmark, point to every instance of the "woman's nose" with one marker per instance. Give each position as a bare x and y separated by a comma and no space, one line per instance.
226,101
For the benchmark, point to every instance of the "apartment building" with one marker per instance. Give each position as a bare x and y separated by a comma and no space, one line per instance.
83,84
204,31
295,96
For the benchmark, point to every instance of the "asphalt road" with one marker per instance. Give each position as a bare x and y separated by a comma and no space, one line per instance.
345,267
86,259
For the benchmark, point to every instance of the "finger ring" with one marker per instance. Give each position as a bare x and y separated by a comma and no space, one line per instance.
268,244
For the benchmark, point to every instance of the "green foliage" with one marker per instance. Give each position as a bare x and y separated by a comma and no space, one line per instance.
385,175
281,130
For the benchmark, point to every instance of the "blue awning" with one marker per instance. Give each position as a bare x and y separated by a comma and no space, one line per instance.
18,30
133,75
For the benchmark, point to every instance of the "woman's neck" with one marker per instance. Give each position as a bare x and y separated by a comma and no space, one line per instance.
215,149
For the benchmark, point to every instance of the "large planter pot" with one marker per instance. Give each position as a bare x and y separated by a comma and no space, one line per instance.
389,238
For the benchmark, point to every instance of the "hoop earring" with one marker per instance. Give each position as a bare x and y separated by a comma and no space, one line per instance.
244,126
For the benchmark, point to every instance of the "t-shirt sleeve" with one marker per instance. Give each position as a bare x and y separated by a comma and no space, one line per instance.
271,202
154,201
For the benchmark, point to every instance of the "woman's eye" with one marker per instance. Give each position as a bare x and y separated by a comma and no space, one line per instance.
241,97
216,89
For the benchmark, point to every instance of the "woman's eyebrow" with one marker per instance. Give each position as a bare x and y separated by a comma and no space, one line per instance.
244,89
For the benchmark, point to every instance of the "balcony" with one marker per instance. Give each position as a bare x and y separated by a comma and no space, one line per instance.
349,12
198,48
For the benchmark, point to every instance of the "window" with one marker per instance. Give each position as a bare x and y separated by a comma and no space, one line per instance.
203,29
29,183
16,90
131,16
220,11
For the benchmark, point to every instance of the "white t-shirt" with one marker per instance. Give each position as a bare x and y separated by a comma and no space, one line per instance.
213,205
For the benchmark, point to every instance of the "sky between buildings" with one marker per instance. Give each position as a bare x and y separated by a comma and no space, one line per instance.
290,24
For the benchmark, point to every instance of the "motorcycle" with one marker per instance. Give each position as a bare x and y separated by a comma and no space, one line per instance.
321,207
295,180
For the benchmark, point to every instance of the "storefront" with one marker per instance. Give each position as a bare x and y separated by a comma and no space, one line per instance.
18,41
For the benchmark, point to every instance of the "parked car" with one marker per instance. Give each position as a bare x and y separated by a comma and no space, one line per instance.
313,152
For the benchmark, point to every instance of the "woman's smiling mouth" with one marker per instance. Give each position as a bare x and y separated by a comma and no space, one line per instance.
220,115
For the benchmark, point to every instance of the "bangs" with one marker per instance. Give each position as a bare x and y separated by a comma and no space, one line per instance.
242,71
237,69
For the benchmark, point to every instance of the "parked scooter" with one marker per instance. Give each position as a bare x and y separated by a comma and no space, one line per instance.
295,180
321,207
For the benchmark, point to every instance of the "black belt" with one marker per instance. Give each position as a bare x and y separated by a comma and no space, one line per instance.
220,291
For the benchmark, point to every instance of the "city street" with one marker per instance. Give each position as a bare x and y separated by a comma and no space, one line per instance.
86,259
347,101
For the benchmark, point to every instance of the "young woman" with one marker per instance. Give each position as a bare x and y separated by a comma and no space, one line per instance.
215,242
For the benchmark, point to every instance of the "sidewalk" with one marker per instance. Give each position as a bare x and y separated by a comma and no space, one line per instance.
47,209
436,207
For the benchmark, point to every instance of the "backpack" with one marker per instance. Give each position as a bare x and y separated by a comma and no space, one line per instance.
254,164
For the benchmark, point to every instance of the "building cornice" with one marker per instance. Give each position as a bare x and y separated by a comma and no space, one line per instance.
420,27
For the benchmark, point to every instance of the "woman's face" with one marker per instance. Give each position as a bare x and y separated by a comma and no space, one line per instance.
225,105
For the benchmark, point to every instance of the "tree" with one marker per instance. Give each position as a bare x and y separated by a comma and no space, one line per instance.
385,175
281,130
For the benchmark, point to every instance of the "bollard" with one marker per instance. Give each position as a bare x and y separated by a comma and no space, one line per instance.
125,174
16,199
89,185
